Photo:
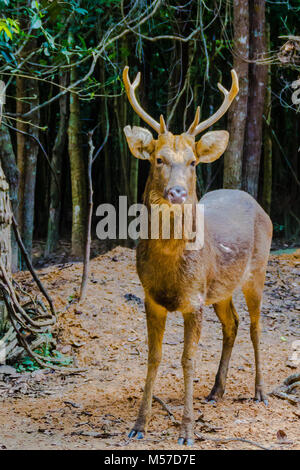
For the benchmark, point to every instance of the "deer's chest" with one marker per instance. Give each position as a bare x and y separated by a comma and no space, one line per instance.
166,278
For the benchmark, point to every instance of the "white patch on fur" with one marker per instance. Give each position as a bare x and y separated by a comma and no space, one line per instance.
225,248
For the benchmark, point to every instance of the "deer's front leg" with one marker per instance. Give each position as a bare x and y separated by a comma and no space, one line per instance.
156,321
192,331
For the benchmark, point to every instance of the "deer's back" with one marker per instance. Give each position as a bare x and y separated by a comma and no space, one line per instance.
233,219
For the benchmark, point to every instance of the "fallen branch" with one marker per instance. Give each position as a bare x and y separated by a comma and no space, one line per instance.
284,390
165,407
224,440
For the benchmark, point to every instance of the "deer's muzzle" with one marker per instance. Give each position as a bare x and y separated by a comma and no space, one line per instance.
176,195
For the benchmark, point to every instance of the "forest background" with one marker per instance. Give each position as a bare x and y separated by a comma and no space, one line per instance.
62,65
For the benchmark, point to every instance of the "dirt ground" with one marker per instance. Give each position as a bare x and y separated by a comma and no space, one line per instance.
106,334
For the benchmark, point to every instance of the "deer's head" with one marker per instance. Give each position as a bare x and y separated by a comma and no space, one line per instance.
173,158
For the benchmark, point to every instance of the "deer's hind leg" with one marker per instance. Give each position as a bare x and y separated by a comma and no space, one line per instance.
229,319
253,294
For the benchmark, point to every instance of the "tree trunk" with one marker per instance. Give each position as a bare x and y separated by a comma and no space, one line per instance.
134,173
21,108
134,168
8,163
88,240
103,116
5,242
57,160
78,180
27,151
267,182
257,88
237,114
29,175
123,148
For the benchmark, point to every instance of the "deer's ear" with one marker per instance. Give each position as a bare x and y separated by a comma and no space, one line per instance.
140,141
211,146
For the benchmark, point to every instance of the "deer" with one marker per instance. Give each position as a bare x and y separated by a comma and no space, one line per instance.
237,239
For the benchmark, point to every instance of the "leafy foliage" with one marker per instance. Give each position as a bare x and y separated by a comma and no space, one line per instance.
46,350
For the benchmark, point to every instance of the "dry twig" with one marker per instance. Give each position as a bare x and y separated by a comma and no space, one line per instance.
165,407
284,390
223,440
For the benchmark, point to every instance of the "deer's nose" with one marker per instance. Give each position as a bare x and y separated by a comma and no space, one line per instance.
176,195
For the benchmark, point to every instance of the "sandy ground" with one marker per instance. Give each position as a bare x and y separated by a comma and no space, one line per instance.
96,408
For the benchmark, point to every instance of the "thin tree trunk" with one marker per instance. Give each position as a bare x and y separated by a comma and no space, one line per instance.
267,183
107,172
104,117
123,149
27,151
21,108
32,149
257,88
134,168
9,165
78,180
57,160
134,173
88,240
238,111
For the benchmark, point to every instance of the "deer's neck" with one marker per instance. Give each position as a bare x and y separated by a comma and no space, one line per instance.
172,244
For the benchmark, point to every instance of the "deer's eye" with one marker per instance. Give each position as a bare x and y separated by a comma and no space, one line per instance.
193,163
159,161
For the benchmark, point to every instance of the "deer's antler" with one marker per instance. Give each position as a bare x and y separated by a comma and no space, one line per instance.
195,128
159,127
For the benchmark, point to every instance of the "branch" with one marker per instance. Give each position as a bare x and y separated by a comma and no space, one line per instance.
223,440
29,264
105,43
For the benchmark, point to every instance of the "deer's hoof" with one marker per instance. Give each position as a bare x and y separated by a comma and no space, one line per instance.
186,434
265,402
214,396
182,441
134,433
260,397
212,401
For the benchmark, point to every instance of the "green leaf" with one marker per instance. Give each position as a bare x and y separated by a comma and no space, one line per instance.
6,57
4,28
81,11
36,24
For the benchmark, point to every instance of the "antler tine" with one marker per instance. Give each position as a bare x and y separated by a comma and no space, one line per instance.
160,128
229,96
195,122
136,82
163,126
